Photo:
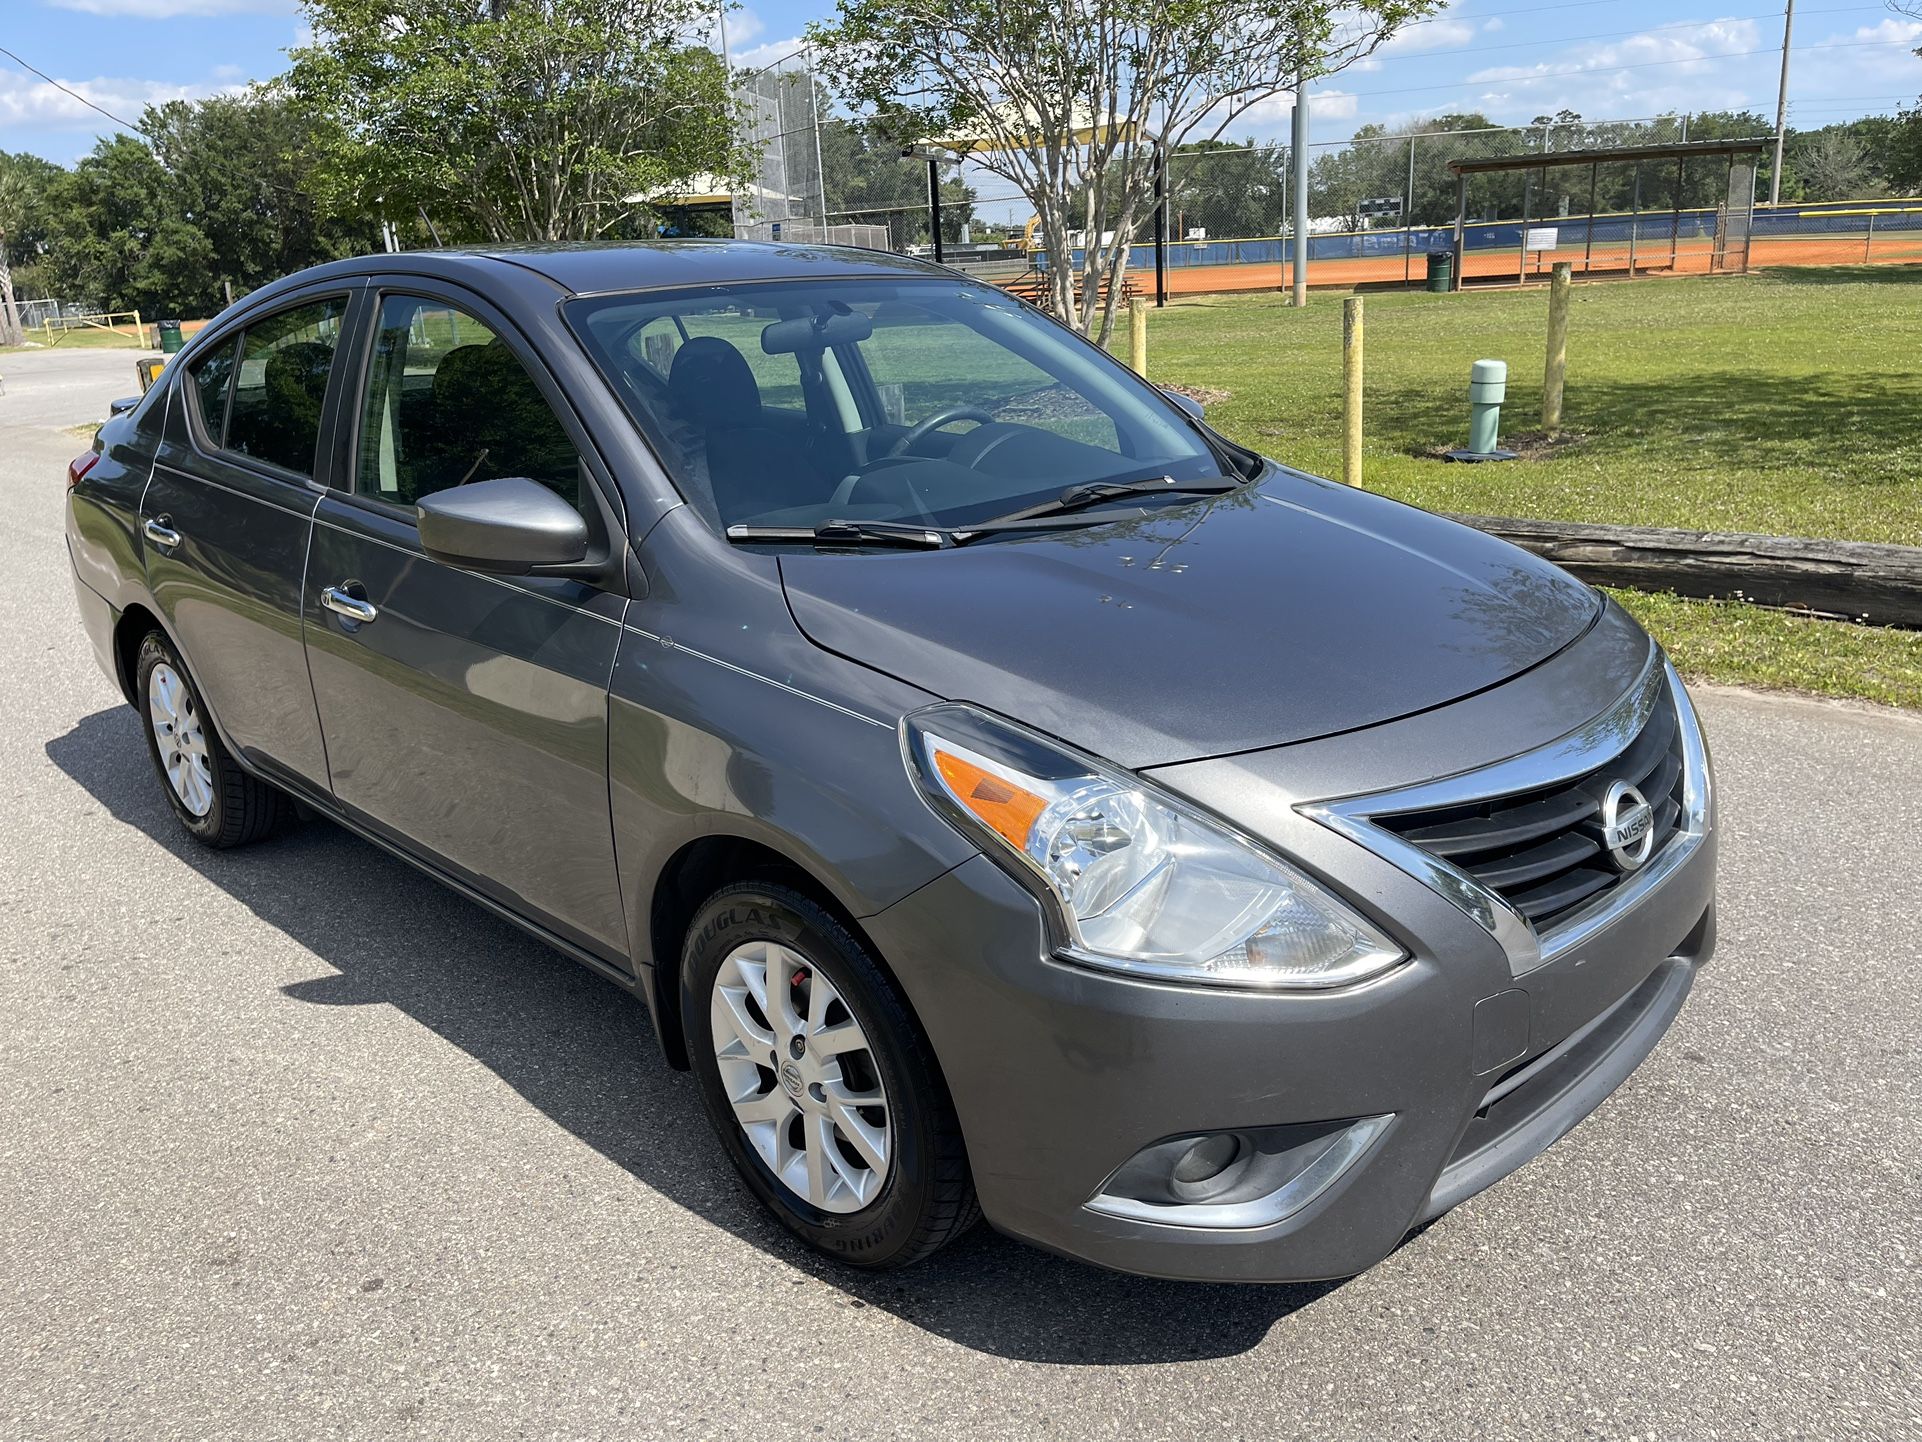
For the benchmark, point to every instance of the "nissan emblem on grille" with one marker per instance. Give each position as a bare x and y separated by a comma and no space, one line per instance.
1628,826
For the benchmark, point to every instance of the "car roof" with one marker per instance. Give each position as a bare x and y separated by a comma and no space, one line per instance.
588,269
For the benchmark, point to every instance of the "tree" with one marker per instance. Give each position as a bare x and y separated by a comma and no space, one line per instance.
236,170
24,180
115,241
1227,190
869,181
1832,165
513,119
1375,164
1903,158
1070,103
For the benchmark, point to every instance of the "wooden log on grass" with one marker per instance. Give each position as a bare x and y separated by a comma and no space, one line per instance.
1863,581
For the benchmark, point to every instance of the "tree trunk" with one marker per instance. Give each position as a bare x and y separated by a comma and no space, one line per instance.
1879,584
9,310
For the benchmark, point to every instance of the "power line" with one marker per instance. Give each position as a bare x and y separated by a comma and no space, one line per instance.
125,124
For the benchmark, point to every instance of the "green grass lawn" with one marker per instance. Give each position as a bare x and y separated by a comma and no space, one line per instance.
89,339
1789,402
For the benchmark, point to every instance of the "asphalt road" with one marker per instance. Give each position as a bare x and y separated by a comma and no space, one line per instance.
294,1144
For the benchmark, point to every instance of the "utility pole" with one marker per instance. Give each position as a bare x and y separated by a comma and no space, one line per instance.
1300,144
1781,106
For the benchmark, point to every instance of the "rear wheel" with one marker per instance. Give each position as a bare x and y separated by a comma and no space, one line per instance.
818,1082
216,801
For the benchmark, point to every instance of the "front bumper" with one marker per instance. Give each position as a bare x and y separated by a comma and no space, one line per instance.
1061,1075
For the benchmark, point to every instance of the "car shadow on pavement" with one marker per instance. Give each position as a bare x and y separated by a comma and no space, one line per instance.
582,1051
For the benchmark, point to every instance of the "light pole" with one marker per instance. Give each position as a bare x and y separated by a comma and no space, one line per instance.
1300,144
1781,107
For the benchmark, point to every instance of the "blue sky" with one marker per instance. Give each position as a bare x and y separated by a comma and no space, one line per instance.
1608,59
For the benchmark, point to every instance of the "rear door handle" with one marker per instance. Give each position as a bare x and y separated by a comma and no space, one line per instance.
352,607
160,533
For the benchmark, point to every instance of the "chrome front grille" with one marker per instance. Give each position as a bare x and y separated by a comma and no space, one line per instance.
1519,846
1543,851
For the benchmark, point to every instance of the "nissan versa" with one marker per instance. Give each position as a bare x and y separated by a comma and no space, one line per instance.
1009,796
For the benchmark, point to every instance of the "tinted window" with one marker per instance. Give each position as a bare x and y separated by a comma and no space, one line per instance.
447,403
210,375
282,380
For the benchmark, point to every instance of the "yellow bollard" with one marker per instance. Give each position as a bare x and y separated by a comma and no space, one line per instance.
1557,368
1138,336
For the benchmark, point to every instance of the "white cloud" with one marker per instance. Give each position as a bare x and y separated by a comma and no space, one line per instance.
172,9
1442,33
1494,23
1696,67
743,25
25,100
758,56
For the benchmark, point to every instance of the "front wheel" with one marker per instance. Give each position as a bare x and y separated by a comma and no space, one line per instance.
218,803
818,1082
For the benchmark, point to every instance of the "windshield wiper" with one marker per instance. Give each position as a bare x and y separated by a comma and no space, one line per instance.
843,532
1093,493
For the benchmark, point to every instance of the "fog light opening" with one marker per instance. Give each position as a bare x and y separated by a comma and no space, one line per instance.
1208,1158
1238,1178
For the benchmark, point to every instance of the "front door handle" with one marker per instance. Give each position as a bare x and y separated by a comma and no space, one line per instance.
352,607
160,533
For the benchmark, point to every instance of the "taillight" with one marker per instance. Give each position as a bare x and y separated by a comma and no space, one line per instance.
79,466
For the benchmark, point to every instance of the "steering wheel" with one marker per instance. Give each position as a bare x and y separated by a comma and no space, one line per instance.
935,422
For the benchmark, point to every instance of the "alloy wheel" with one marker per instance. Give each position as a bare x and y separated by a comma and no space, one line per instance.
800,1075
181,739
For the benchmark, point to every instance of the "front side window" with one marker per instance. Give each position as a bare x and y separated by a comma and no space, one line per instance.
931,401
281,382
447,403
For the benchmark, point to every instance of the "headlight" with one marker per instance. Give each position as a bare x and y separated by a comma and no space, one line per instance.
1142,882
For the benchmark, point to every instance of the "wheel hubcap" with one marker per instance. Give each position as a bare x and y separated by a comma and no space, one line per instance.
182,742
800,1076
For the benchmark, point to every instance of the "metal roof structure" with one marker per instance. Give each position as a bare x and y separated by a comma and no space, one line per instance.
1544,159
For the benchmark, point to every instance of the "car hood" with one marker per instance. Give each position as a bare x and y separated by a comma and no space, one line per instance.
1285,611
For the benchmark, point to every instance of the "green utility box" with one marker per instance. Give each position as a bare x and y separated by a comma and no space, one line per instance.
1441,271
170,340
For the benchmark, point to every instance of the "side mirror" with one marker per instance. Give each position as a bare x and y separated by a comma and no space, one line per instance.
511,526
1187,403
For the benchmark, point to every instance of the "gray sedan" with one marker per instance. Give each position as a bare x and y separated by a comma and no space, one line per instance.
1010,796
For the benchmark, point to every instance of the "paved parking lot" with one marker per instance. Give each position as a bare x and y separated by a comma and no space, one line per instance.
294,1144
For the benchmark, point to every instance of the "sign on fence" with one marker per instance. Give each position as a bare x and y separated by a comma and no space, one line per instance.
1540,237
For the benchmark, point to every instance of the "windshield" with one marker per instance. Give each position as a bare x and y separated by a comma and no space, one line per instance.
936,402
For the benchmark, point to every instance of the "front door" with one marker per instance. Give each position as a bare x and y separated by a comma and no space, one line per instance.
465,714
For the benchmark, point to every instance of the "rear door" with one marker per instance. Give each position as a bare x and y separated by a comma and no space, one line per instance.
465,714
226,518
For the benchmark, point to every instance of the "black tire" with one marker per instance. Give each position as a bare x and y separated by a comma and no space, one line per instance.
243,808
927,1198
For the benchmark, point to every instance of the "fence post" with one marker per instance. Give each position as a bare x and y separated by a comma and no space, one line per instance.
1868,241
1138,336
1557,368
1351,365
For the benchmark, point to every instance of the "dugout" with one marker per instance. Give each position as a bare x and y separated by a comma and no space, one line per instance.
1616,211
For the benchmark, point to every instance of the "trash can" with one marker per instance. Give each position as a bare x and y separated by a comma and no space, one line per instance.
1441,271
170,340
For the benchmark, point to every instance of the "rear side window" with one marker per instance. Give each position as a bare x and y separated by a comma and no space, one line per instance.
284,361
210,376
448,402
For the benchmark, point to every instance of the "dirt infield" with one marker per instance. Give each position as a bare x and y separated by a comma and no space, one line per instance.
1653,257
